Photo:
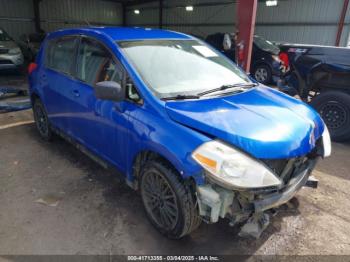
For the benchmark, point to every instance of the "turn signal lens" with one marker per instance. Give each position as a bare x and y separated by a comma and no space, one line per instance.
205,161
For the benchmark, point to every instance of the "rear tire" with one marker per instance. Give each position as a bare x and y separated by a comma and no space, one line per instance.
262,74
42,121
169,203
334,108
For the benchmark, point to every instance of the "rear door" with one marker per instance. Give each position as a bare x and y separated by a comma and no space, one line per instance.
57,79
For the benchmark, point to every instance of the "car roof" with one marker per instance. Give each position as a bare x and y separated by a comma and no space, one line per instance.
126,33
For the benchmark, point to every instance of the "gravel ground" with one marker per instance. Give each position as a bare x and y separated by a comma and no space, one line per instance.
54,200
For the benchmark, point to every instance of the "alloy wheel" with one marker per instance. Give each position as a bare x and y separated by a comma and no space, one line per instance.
261,74
160,200
41,120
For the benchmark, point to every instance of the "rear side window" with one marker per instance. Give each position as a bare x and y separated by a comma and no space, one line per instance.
95,63
60,54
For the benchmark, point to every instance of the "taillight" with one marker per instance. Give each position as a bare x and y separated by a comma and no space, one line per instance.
32,67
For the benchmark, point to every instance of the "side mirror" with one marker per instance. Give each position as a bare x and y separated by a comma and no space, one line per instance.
109,90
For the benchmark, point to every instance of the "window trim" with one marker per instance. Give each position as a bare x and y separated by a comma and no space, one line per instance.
115,60
125,73
73,75
54,41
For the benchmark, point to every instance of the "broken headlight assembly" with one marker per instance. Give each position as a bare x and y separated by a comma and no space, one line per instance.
233,169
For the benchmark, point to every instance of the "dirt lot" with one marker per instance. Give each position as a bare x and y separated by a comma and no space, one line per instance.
91,212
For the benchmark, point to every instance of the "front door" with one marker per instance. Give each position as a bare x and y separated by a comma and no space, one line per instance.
96,123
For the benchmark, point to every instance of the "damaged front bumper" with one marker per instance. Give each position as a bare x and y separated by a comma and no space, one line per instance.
251,206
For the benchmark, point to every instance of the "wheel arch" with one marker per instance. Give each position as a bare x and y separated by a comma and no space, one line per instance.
34,96
169,159
36,93
323,89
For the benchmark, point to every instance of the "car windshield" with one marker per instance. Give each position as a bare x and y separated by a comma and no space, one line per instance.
181,67
266,45
4,36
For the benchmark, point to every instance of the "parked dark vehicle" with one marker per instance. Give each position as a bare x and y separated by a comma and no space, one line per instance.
320,75
30,45
266,66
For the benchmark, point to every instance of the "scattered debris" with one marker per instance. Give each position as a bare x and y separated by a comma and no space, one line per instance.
49,200
255,225
17,105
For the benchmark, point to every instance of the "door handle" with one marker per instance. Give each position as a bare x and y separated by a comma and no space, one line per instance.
43,78
76,93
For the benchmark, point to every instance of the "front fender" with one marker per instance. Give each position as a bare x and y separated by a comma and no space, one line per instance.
167,138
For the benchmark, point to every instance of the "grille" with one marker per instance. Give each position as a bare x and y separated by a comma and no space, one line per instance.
3,51
285,168
277,165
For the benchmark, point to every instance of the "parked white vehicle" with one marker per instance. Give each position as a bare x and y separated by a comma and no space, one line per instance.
11,56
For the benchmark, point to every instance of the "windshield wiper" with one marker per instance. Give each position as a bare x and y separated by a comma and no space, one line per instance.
224,87
197,96
181,97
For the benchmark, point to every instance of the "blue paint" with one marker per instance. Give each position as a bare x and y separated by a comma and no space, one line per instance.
262,122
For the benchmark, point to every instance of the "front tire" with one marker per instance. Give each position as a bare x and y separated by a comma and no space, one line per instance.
41,120
334,108
169,203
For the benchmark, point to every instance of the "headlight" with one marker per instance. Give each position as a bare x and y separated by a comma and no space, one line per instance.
233,168
326,140
15,51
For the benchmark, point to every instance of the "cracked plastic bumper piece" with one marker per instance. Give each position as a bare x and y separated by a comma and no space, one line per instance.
252,208
277,199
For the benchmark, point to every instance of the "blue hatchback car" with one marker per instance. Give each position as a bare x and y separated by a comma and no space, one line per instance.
186,127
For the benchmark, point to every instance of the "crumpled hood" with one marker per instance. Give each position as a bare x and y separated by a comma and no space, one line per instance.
261,121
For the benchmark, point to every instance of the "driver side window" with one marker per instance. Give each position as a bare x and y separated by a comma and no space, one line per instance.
95,64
